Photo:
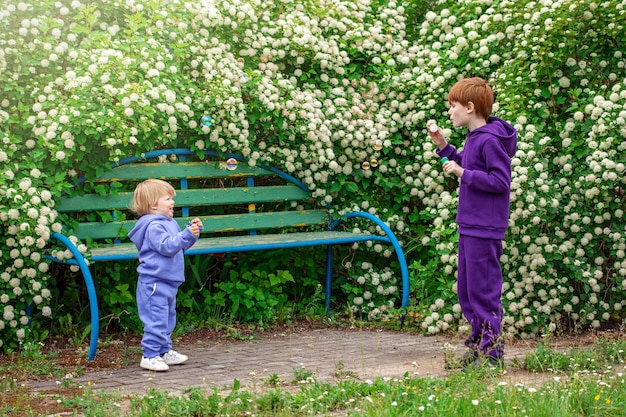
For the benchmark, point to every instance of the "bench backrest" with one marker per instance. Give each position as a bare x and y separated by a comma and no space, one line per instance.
230,196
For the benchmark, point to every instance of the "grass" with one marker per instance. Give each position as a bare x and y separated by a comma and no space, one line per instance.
573,382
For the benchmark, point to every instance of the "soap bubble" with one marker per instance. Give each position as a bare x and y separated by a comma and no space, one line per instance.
378,144
206,120
373,163
231,164
365,165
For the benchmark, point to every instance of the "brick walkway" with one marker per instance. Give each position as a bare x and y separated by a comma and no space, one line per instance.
329,354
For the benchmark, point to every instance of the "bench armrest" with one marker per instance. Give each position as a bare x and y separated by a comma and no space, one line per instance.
392,239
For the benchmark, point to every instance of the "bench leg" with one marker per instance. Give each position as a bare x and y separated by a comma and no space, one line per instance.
329,275
93,308
404,270
91,291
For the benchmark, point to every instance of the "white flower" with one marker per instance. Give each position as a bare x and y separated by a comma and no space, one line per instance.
14,214
8,314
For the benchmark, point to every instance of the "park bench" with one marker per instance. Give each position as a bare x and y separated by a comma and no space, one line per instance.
243,208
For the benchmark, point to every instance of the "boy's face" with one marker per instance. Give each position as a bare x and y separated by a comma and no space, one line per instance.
164,206
460,115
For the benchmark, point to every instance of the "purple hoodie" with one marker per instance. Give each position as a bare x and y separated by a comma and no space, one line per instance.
484,194
161,244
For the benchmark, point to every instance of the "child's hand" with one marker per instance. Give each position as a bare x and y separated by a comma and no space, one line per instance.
451,167
436,134
195,226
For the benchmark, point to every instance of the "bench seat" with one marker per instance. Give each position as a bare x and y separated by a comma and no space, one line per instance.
126,251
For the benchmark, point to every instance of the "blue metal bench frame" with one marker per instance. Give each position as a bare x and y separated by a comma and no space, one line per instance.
332,238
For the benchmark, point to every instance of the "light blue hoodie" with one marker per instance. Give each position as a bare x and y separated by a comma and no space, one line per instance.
161,244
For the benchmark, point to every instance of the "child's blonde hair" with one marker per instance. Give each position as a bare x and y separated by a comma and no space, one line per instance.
475,90
147,194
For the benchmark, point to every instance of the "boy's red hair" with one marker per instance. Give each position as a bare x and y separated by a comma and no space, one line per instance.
475,90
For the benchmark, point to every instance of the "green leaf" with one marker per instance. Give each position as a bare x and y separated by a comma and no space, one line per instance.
351,187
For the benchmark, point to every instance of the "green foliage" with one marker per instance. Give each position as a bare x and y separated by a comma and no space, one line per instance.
337,95
255,296
604,353
301,375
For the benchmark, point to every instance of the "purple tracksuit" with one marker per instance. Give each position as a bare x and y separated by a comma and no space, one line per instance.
160,243
482,218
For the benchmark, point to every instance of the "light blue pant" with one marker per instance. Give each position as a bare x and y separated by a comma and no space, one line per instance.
156,302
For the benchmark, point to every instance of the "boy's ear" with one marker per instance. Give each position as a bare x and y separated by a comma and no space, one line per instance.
470,107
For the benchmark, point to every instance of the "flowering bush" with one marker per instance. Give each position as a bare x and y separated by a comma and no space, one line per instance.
338,94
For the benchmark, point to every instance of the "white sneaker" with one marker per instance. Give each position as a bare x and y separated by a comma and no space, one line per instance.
174,358
154,364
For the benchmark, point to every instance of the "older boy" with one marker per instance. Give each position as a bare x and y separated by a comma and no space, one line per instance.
484,170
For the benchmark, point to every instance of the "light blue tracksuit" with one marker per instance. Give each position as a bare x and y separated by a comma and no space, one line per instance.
161,269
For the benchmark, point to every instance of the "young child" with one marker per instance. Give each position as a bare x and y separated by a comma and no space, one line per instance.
160,243
484,170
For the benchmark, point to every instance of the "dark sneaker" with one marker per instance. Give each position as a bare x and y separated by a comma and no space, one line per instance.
468,357
489,363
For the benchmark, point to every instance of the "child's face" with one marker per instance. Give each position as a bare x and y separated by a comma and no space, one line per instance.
164,206
460,115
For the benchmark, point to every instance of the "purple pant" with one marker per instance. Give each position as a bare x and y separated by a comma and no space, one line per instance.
480,293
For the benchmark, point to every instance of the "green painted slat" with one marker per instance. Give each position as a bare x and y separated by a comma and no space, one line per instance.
189,198
232,243
240,195
191,170
92,202
214,224
258,221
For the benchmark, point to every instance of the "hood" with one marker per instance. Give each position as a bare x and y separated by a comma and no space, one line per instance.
502,130
138,233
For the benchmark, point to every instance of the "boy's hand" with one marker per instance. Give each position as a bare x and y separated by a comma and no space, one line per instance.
436,134
451,167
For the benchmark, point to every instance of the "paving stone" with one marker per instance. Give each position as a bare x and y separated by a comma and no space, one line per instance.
328,354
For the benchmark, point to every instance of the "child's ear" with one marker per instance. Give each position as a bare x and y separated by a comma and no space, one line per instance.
470,107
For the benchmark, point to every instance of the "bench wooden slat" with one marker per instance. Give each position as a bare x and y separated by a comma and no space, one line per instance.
178,170
189,198
244,243
213,224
